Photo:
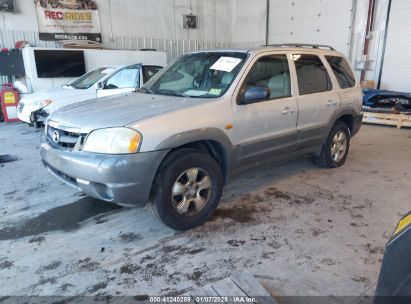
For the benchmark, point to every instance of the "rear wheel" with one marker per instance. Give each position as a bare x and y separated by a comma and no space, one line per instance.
335,151
187,189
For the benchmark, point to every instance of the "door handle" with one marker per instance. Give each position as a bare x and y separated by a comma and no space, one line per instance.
287,111
331,103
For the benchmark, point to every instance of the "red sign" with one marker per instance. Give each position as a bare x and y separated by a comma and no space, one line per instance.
9,98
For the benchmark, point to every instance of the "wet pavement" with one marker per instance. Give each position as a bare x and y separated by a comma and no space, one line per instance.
300,229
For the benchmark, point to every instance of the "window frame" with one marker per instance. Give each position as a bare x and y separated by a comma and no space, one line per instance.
138,67
144,71
325,65
249,69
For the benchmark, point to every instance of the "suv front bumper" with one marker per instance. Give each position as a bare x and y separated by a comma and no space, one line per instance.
121,179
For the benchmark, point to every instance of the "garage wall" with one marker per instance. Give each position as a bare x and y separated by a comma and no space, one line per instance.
135,18
249,22
312,21
396,71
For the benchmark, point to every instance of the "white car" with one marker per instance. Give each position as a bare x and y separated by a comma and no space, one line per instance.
102,82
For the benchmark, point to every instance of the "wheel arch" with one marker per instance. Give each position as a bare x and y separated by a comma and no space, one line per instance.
348,117
210,140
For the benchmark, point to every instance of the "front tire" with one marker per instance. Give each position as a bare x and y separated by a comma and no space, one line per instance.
335,150
187,189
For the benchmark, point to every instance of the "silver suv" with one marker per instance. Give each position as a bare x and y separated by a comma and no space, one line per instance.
175,142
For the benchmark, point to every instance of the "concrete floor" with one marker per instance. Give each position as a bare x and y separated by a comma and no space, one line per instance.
299,229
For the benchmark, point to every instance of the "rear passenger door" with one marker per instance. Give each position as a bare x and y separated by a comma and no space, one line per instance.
318,100
266,129
351,95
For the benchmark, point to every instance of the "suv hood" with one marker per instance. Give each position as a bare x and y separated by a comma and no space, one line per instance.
118,111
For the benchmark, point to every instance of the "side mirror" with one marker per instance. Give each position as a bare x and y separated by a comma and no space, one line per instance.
253,94
100,85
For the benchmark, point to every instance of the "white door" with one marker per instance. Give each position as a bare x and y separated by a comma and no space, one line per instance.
318,100
396,68
125,80
266,129
314,21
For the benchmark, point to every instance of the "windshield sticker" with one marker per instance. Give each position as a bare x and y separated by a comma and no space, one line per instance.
215,92
195,93
226,64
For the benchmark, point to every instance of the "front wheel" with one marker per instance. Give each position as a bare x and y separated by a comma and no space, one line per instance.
335,150
187,189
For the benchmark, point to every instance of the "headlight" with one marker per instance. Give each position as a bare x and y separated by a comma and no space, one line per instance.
113,141
45,103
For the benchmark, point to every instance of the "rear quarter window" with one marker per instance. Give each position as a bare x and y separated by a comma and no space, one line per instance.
342,71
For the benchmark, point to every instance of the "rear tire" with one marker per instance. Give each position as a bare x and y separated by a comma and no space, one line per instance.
335,150
187,189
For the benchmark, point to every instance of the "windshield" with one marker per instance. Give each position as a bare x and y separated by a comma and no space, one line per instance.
89,79
206,75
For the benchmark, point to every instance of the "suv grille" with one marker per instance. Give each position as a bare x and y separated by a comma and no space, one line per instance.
64,139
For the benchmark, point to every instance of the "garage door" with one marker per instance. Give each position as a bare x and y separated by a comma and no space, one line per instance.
396,71
311,21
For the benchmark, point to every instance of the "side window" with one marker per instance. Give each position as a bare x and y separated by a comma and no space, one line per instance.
312,74
342,71
271,72
149,71
125,78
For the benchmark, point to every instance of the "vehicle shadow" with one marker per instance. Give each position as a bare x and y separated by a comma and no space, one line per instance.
64,218
262,177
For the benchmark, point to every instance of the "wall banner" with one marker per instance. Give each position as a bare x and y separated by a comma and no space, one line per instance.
68,20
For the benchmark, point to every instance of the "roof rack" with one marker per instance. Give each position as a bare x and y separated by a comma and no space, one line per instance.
302,45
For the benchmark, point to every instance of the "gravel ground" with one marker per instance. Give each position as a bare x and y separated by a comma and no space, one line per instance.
300,229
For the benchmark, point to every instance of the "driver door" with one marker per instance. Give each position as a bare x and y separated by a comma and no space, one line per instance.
266,129
125,80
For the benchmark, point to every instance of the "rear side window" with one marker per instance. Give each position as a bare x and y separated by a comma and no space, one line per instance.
312,74
342,71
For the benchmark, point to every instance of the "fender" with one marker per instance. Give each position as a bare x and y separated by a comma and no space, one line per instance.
203,134
357,119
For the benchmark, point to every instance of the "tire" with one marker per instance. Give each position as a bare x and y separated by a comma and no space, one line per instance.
199,196
338,140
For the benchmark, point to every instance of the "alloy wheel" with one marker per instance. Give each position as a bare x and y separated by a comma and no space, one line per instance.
191,191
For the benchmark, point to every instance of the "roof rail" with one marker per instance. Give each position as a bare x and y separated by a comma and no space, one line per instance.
302,45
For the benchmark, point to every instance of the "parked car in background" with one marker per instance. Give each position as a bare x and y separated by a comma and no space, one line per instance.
202,118
105,81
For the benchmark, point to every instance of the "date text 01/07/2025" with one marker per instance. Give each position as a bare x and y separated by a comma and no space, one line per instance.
203,299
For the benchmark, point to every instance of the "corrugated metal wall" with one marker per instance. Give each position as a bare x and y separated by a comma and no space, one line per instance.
396,72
